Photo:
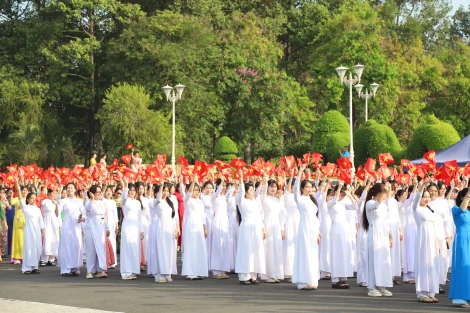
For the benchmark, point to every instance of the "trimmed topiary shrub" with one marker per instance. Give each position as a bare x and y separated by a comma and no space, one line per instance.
431,134
335,142
330,123
373,138
225,149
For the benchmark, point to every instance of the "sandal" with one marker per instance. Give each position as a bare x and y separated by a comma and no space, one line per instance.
340,285
254,282
411,282
27,272
396,282
308,287
327,277
36,271
426,299
245,282
435,300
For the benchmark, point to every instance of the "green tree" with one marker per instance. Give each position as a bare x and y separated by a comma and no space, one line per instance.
126,118
329,124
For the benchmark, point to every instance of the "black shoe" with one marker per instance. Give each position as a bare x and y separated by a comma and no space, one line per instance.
42,263
441,290
50,263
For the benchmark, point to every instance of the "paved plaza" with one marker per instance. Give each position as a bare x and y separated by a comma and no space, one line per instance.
49,292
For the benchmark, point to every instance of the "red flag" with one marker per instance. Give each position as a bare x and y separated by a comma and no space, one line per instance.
453,166
385,158
126,159
344,163
280,181
237,163
199,167
282,163
315,157
130,146
329,169
306,158
404,179
221,165
258,163
442,173
404,163
182,161
385,172
269,167
429,167
345,175
11,168
361,174
370,166
430,156
290,162
226,172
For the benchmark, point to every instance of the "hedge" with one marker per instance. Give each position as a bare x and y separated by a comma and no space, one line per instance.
329,123
225,149
335,142
373,138
431,134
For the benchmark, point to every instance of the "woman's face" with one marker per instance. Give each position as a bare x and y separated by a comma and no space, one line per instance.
108,193
426,199
208,189
341,195
52,195
272,189
250,193
141,190
442,191
330,196
32,199
10,193
98,194
196,192
403,197
165,193
132,192
94,156
172,190
307,190
24,192
63,194
70,191
433,192
81,193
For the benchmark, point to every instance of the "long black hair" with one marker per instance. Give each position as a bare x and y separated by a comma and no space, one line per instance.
378,188
304,183
29,196
462,193
156,189
239,215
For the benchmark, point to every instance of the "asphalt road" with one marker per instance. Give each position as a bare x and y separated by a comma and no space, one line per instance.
209,295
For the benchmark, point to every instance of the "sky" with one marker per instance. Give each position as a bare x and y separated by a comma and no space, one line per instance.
457,3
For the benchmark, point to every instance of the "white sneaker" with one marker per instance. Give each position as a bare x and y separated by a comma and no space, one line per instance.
89,276
128,277
169,280
374,293
160,280
386,293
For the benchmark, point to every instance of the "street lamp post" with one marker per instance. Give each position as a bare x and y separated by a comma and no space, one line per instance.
367,95
173,97
350,82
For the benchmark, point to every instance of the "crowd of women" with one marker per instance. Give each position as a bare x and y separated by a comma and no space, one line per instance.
301,231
